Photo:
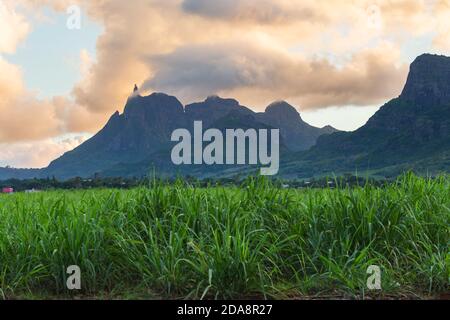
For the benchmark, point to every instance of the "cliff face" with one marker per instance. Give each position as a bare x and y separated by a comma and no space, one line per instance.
428,81
422,111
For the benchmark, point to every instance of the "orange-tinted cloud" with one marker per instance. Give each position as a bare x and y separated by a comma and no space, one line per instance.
36,154
22,115
258,74
13,27
248,49
315,53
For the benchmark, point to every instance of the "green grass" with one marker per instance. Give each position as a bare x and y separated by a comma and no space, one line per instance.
256,241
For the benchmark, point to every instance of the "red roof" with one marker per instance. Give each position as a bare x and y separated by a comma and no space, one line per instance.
7,190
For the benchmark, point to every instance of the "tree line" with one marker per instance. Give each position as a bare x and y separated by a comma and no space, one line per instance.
20,185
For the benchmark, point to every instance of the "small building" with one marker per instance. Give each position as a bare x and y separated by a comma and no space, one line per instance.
7,190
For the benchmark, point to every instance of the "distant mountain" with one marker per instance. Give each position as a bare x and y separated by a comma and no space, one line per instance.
13,173
299,134
134,142
409,132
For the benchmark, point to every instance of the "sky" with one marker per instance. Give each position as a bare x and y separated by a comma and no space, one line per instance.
67,65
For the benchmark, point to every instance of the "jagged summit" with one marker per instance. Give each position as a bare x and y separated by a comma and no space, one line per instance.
142,133
156,102
428,80
135,92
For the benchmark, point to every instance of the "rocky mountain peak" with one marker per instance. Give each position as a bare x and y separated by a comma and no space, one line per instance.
428,80
156,102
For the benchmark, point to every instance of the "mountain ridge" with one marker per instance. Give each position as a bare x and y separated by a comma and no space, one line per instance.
410,132
142,132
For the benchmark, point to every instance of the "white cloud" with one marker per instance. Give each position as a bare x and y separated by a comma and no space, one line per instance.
36,154
13,28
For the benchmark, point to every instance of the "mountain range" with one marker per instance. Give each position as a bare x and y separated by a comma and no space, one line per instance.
410,132
139,138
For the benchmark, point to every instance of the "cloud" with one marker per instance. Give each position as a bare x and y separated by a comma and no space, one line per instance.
13,28
24,117
36,154
253,11
441,14
315,53
27,119
321,54
259,74
10,80
261,45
